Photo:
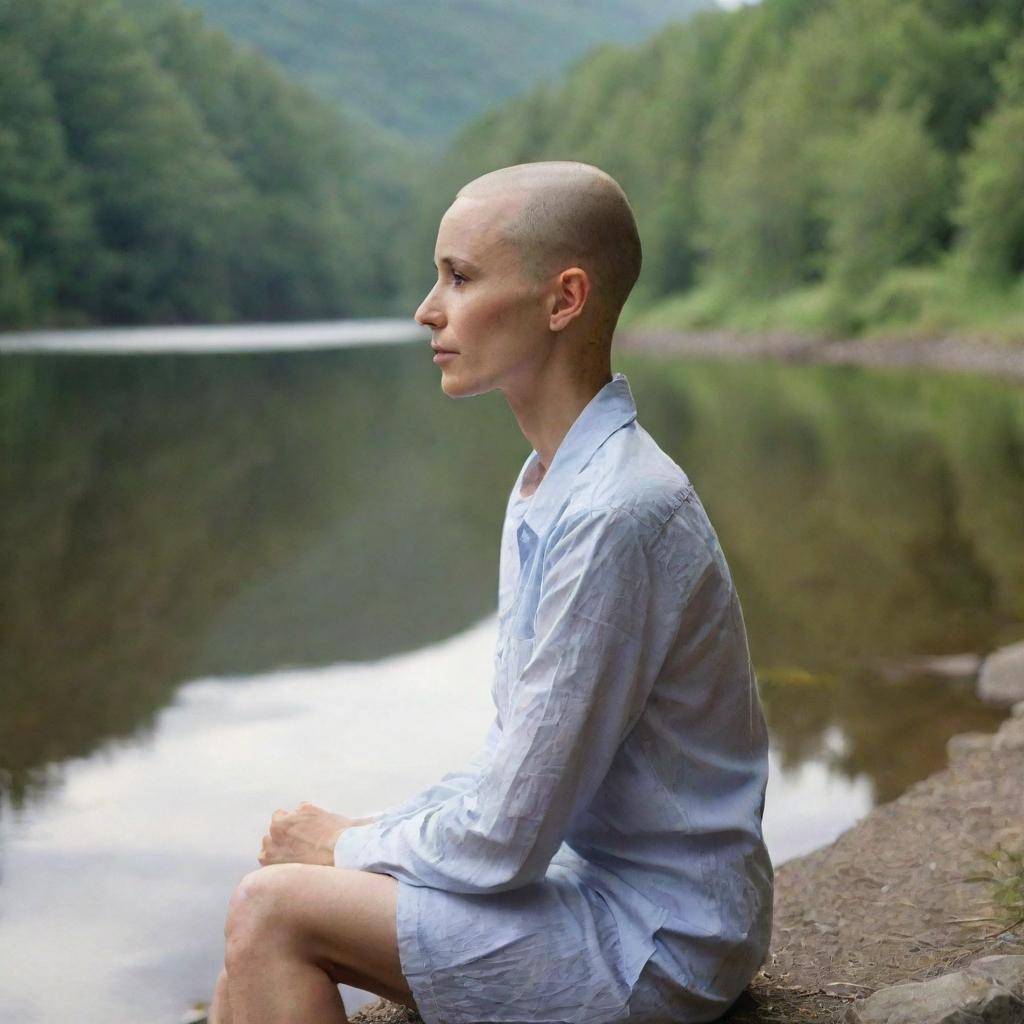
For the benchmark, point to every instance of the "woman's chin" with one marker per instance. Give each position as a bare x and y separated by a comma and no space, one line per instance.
453,387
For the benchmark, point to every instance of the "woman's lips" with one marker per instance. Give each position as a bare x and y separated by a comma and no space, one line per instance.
441,356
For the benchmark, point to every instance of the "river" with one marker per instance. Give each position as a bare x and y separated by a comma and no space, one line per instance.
245,572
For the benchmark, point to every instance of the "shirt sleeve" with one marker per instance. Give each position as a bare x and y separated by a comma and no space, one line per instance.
581,689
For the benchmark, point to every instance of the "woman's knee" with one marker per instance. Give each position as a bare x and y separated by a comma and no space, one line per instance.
257,911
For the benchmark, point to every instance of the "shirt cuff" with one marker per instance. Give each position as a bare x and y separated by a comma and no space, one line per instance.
349,850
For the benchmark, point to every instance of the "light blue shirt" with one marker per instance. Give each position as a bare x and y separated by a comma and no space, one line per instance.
628,744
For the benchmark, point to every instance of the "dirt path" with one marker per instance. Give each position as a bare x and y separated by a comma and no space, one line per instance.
957,354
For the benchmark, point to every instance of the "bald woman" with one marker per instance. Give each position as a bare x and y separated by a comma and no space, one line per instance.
601,858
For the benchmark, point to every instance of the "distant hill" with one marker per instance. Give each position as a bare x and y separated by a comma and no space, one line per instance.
424,70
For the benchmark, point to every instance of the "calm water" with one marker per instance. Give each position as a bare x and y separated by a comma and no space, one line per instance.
235,581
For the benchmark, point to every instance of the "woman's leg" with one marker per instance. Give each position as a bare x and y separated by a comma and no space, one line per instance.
220,1008
295,932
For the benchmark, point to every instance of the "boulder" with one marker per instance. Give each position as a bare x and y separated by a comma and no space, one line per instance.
952,668
1001,680
989,991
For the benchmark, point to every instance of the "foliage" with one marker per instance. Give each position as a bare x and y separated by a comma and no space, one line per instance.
420,71
789,145
158,173
992,209
797,157
888,189
1005,876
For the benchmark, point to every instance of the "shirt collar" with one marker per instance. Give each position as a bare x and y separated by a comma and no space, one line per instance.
611,408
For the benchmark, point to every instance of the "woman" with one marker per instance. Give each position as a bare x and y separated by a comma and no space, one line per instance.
601,858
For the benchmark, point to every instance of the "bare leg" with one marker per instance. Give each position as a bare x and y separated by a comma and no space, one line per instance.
220,1008
296,931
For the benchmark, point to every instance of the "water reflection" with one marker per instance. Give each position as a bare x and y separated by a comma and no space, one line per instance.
168,518
164,518
245,520
124,874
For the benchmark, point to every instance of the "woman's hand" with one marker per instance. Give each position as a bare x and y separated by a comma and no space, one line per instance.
304,836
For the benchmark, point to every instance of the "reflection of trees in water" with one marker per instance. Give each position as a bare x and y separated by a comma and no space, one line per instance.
944,556
893,734
863,515
164,518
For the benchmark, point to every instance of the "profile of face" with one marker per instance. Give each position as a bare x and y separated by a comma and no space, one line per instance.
483,309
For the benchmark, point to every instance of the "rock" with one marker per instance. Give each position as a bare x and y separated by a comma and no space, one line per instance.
1002,676
384,1012
1007,971
1010,735
989,991
964,743
379,1012
954,668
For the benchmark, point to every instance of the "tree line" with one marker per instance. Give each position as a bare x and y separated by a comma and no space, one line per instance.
842,146
152,171
864,156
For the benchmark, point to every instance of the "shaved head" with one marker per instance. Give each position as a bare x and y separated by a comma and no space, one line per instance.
567,214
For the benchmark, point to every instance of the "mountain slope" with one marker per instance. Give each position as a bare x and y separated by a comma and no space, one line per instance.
424,70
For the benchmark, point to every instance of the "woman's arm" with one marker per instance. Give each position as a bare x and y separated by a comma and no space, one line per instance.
592,665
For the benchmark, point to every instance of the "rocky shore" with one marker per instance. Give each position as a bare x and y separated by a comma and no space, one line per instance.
951,353
892,923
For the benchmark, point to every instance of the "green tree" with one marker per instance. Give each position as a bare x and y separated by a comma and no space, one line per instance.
991,209
152,171
45,222
759,196
991,212
889,189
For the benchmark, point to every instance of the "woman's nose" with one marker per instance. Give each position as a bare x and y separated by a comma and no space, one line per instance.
428,314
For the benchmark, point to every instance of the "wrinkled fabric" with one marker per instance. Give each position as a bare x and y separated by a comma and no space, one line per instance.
601,857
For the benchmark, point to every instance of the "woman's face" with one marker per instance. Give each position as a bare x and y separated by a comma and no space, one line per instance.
483,308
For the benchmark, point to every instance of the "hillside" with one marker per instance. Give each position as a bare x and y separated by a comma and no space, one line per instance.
825,167
423,70
154,171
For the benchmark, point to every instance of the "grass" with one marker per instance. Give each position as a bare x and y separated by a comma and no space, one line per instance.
1004,874
909,302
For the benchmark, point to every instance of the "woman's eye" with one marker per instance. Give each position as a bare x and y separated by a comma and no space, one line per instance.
457,278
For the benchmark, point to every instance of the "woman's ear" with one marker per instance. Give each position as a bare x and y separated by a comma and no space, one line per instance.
571,291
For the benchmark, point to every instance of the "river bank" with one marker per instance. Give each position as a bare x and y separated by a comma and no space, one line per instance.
948,353
891,900
898,897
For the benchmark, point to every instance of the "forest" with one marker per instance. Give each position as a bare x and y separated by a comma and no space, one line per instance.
152,171
421,71
825,166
